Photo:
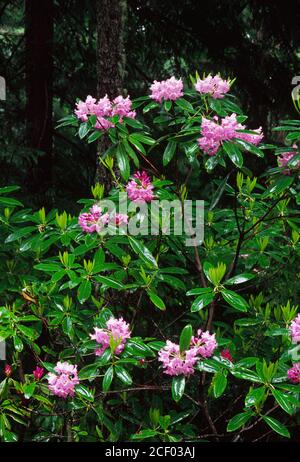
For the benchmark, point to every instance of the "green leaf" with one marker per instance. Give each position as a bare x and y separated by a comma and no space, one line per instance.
283,399
277,426
20,233
88,372
255,396
150,106
218,194
202,301
143,252
109,282
140,137
107,379
169,152
178,386
48,267
184,104
143,434
235,300
279,186
29,390
219,384
83,130
239,420
156,300
123,375
185,338
199,291
123,162
94,136
84,291
250,147
18,344
233,153
10,202
84,392
239,279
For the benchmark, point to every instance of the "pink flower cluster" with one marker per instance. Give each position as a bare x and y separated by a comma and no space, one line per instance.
284,158
104,108
117,331
215,86
63,382
294,373
140,188
95,219
295,329
170,89
214,133
176,363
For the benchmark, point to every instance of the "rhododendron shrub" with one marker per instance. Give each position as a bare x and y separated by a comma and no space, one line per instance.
115,336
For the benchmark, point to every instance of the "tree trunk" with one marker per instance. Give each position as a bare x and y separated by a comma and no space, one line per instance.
111,17
39,68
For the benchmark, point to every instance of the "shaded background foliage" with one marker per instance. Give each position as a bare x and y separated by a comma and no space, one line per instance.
256,42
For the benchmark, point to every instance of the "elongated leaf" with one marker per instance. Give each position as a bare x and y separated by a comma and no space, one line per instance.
169,152
277,426
108,378
156,300
178,386
239,420
185,338
143,252
202,301
235,300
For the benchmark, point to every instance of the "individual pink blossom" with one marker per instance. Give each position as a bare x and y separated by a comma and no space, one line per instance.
170,89
140,188
63,382
94,220
119,218
215,86
214,133
226,354
7,370
38,373
123,108
204,344
294,373
295,329
175,362
117,330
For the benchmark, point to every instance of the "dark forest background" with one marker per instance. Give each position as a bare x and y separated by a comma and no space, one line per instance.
54,51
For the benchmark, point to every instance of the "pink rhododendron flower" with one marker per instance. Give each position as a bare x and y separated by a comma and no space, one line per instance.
123,108
170,89
226,354
176,363
93,220
294,373
117,330
295,329
7,370
214,133
140,188
63,382
120,218
205,343
38,373
215,86
103,109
